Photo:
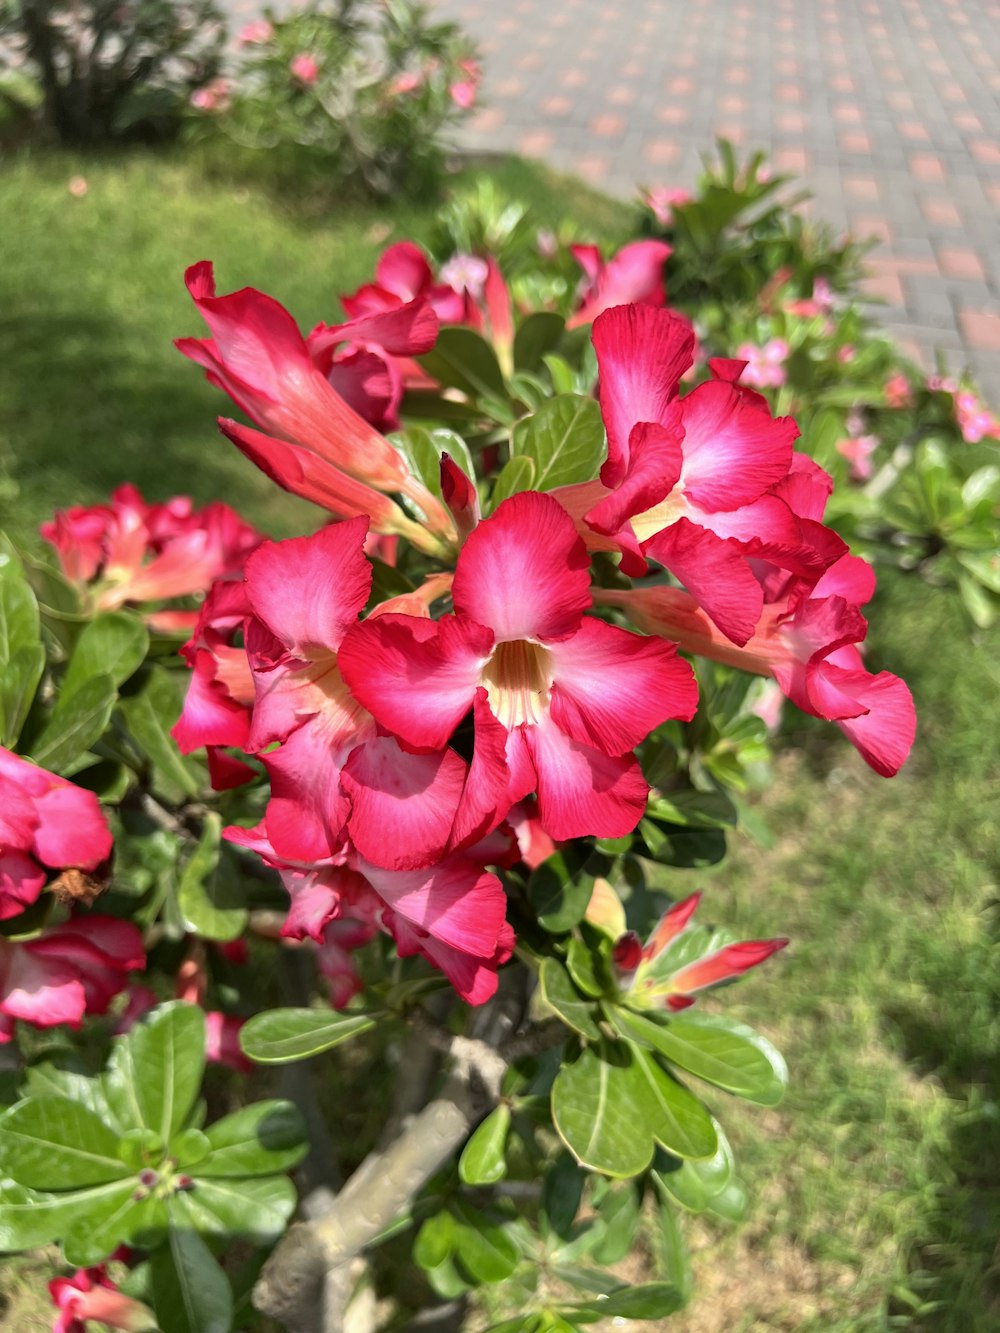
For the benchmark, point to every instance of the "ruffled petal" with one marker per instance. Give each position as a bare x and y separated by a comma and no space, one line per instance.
581,791
611,688
715,573
733,448
456,901
524,572
72,830
654,468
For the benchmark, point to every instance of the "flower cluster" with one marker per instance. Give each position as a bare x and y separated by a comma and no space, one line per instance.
402,739
131,552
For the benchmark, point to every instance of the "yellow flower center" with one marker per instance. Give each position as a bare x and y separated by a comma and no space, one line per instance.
517,680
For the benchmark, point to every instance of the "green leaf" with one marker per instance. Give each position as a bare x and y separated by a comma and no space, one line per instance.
281,1035
562,1190
619,1211
518,474
694,809
108,1222
731,1203
65,1075
50,1143
114,644
695,1184
256,1208
649,1300
670,1250
565,439
76,722
209,894
483,1160
560,889
191,1294
435,1240
599,1109
22,657
29,1218
677,1119
150,708
536,337
586,967
560,994
462,359
154,1074
257,1140
719,1050
485,1248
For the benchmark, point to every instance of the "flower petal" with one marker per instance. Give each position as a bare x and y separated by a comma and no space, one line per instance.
733,448
715,573
581,791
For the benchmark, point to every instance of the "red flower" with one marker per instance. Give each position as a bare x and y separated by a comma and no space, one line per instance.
66,972
134,552
634,274
46,824
90,1294
560,698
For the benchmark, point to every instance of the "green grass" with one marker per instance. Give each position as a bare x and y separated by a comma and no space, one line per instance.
877,1185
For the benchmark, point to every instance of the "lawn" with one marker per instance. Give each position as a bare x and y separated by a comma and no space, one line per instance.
877,1184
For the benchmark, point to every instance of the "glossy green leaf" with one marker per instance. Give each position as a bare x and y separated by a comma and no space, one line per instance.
585,966
694,1184
536,337
150,707
600,1105
731,1203
189,1148
114,644
561,887
462,359
22,657
649,1300
565,439
76,722
434,1241
256,1208
141,1148
109,1222
719,1050
483,1160
619,1211
518,474
210,895
66,1076
677,1119
562,1190
50,1143
257,1140
154,1074
485,1248
281,1035
191,1293
29,1218
559,993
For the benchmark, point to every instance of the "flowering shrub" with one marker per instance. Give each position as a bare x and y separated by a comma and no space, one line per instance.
357,92
109,70
429,780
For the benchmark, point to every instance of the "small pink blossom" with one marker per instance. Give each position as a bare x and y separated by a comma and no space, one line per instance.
213,96
820,303
765,365
78,186
975,421
846,354
858,450
662,201
942,384
407,82
305,68
466,273
897,391
547,243
255,33
463,92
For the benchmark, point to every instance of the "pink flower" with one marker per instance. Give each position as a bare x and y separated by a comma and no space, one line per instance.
846,354
78,186
688,481
820,303
897,391
305,68
135,552
858,450
255,33
47,825
452,913
90,1294
633,275
222,1042
334,775
463,91
466,273
661,975
403,274
765,366
319,446
805,640
407,82
661,200
560,698
975,421
67,971
214,96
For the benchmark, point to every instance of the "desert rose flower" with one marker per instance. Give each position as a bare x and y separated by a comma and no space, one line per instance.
130,552
661,201
404,274
806,640
47,825
463,91
560,698
858,450
466,273
91,1295
765,367
633,275
67,971
660,974
305,68
975,421
897,391
256,33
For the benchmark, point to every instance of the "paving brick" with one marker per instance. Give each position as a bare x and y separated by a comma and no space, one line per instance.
981,329
960,262
941,212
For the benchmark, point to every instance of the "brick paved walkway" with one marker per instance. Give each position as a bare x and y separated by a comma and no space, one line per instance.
889,111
